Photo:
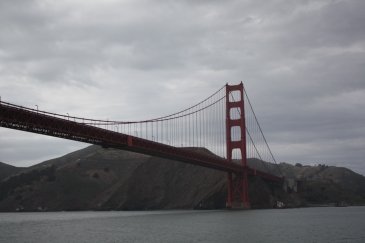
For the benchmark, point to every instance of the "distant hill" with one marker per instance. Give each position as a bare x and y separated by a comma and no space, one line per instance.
7,170
324,184
101,179
95,178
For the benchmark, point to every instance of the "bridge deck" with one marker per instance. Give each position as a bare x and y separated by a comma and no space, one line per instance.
19,118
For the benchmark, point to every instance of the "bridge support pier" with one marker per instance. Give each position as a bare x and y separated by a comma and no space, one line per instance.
237,196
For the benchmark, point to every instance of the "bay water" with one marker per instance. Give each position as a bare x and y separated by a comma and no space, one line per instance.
321,224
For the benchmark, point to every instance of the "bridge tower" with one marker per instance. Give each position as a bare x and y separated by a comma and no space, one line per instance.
237,187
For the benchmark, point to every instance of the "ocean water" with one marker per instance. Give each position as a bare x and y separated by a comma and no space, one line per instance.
322,224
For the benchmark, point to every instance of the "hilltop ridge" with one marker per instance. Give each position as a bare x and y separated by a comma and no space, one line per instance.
7,170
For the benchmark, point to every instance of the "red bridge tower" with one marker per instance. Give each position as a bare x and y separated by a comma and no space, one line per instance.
237,187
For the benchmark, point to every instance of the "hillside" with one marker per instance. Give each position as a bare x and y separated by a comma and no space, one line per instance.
7,170
324,184
95,178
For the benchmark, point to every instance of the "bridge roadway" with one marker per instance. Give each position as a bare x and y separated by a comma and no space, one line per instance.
25,119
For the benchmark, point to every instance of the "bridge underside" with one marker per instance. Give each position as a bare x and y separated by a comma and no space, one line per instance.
25,120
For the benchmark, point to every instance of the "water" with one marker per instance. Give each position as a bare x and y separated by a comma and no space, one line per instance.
286,225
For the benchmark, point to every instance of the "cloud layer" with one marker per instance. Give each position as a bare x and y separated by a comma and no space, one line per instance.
302,63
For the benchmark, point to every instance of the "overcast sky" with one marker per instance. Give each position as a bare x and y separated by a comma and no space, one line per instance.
302,63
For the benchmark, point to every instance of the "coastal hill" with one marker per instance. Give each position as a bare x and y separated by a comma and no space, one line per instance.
96,178
7,170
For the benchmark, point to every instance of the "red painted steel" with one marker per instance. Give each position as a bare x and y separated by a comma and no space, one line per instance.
237,195
25,120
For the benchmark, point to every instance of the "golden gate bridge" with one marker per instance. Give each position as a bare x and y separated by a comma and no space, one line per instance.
224,123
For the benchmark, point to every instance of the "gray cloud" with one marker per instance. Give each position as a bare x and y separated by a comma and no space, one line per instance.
301,61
